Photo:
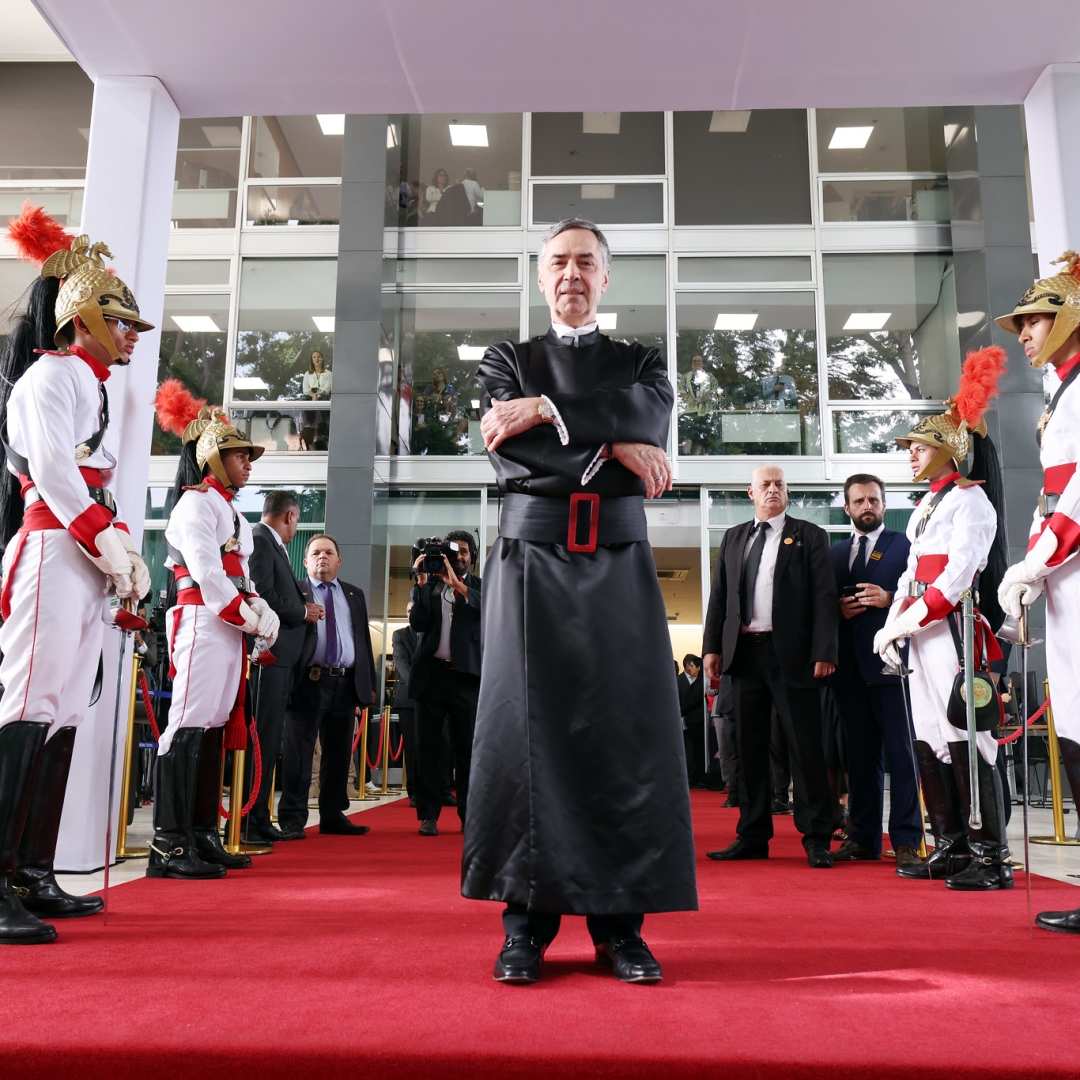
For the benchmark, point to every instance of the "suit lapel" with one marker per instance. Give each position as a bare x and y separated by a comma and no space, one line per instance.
735,554
787,545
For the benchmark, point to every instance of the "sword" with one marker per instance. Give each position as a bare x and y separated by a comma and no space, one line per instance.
1025,643
975,817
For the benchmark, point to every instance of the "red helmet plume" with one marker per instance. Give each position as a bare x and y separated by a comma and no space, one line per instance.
36,236
979,383
176,406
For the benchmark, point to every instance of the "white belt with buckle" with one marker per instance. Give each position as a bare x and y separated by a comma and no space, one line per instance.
1048,504
916,589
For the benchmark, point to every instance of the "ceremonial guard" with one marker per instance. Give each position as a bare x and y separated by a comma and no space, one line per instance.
64,548
956,535
209,543
1047,318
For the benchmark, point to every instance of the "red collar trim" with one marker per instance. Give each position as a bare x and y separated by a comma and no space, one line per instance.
1064,369
219,487
95,365
937,485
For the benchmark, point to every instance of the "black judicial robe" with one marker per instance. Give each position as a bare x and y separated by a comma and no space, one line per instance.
578,799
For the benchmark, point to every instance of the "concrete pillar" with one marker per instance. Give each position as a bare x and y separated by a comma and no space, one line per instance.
1052,112
129,181
350,474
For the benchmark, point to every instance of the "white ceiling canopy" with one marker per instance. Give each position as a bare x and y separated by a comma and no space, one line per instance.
375,56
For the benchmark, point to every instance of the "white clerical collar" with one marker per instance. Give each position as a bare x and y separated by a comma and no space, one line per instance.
575,332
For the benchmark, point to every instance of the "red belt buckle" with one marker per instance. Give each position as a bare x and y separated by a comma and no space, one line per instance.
594,521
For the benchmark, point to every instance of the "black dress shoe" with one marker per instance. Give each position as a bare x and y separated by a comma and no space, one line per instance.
630,959
729,803
428,827
1064,922
819,856
449,800
520,961
849,851
779,807
291,830
740,849
271,834
342,827
41,895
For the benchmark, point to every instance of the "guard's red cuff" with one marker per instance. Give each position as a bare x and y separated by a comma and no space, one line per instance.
937,607
88,524
231,614
1036,537
121,526
1067,532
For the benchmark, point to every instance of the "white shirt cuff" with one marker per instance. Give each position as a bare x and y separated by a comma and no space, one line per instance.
594,467
557,420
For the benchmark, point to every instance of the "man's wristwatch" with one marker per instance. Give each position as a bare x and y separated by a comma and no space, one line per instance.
546,411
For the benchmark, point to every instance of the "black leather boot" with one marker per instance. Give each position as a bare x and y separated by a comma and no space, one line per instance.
38,847
942,798
990,865
172,851
21,746
207,804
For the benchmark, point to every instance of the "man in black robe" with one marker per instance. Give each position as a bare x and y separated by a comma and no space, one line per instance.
578,800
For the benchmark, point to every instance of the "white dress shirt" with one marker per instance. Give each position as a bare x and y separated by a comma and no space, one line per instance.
446,599
342,620
871,543
763,588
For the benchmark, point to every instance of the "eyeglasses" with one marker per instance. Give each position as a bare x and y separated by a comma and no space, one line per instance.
125,327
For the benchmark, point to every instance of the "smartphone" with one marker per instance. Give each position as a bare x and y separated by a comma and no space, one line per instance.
851,590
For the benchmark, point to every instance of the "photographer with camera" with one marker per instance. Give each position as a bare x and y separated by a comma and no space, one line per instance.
445,677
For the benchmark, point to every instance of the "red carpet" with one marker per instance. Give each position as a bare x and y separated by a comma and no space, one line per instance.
340,956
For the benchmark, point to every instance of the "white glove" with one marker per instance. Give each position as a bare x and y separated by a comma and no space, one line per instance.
140,574
1021,585
250,625
114,561
899,628
269,623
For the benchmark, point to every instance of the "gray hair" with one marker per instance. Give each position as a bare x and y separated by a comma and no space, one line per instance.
577,223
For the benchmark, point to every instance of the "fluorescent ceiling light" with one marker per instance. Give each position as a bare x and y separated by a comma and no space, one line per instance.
468,134
196,324
222,136
736,321
331,123
730,120
867,320
254,383
475,403
605,320
598,191
325,323
471,352
391,136
601,123
850,138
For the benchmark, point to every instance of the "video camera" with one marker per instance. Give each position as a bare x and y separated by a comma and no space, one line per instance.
433,549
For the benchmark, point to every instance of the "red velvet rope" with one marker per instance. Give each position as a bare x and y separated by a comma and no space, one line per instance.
374,765
144,686
396,756
1019,731
256,779
359,732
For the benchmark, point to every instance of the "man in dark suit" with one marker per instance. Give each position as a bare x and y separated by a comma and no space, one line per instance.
692,708
271,685
335,679
771,628
445,679
867,567
404,642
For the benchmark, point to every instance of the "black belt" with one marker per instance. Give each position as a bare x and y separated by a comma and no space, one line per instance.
580,523
102,496
335,672
755,635
444,663
241,584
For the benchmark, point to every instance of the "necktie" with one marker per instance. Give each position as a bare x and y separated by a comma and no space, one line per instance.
858,567
331,625
750,572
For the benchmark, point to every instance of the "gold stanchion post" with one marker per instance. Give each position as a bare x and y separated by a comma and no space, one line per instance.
273,781
122,849
361,765
1053,772
385,740
235,845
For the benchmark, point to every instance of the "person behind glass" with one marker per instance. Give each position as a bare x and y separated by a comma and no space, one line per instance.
271,685
697,393
445,679
439,183
771,628
473,190
692,708
873,716
318,379
335,679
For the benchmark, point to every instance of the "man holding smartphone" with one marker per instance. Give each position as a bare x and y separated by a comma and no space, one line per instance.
871,705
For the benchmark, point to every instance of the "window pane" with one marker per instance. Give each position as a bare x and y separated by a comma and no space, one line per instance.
294,205
45,121
727,508
207,174
890,325
871,432
63,204
748,375
453,170
285,329
597,144
197,272
606,204
742,168
193,336
634,308
437,343
752,268
881,140
450,271
885,200
296,146
285,431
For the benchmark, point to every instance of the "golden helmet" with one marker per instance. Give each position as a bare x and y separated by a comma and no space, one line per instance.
212,433
1058,296
950,432
91,292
